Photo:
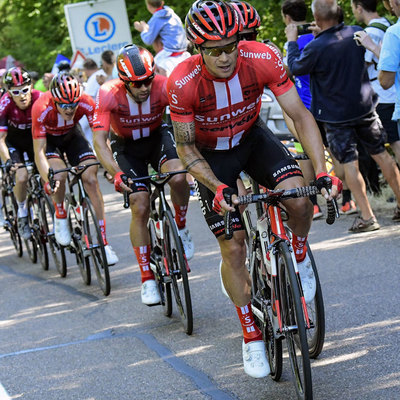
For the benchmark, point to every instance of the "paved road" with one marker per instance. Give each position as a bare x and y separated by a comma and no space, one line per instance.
62,340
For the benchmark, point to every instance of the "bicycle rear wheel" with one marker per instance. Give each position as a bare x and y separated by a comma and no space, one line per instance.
316,315
177,269
293,324
163,281
56,250
11,225
94,242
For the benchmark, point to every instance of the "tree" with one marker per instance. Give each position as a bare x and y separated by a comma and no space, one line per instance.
35,31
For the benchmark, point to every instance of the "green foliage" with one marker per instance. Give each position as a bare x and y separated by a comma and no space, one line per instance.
35,31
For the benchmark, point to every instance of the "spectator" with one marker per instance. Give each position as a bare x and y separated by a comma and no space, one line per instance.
108,70
64,66
343,99
388,66
365,12
168,26
91,71
34,77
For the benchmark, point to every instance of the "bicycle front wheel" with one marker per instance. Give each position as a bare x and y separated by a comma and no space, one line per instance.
94,243
316,315
32,244
177,269
293,324
11,225
42,233
163,281
56,250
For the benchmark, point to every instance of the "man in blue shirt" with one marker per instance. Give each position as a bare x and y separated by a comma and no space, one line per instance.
388,66
343,99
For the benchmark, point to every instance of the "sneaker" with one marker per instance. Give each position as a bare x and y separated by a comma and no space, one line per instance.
317,212
255,362
307,279
149,293
396,215
61,231
23,228
362,225
187,242
348,208
222,282
112,257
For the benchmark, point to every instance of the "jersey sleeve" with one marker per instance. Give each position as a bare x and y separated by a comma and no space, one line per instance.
38,121
4,104
102,111
276,77
88,106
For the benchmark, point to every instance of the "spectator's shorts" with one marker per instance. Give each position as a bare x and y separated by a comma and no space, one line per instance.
342,137
261,155
134,156
385,112
73,144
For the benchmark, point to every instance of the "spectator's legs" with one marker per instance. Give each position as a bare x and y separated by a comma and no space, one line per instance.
390,172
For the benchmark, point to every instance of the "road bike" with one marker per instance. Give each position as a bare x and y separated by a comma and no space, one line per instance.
277,297
168,259
86,239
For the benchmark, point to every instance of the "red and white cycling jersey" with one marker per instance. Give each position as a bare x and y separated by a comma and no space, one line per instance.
224,110
47,120
12,118
128,119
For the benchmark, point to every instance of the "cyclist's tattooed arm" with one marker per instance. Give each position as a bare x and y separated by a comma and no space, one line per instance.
190,156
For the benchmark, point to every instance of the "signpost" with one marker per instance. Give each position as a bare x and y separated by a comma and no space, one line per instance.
96,26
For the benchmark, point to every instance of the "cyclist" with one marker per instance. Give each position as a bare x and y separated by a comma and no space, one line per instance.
133,106
215,98
16,135
56,132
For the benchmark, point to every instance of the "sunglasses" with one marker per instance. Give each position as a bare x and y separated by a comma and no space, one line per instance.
65,106
146,82
18,92
217,51
249,36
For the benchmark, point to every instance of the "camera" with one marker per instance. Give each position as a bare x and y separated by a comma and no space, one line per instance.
303,29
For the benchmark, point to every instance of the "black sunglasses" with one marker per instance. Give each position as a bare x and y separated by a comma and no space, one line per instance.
146,82
217,51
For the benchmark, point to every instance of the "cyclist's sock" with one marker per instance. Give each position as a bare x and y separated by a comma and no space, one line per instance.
249,327
102,226
346,196
299,247
22,209
180,215
143,257
60,211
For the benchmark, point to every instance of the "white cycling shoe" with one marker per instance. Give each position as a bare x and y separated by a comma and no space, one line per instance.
307,278
255,362
149,293
222,282
187,242
61,231
111,256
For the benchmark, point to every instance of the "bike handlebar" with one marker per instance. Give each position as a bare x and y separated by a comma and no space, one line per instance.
272,196
157,178
76,170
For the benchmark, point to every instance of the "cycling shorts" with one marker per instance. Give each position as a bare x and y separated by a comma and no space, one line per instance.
17,153
261,155
134,156
73,144
343,137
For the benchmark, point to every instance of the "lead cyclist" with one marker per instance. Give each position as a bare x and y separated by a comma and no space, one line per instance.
215,99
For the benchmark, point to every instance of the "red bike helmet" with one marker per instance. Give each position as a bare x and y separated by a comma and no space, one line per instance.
16,76
250,16
65,88
134,63
212,20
